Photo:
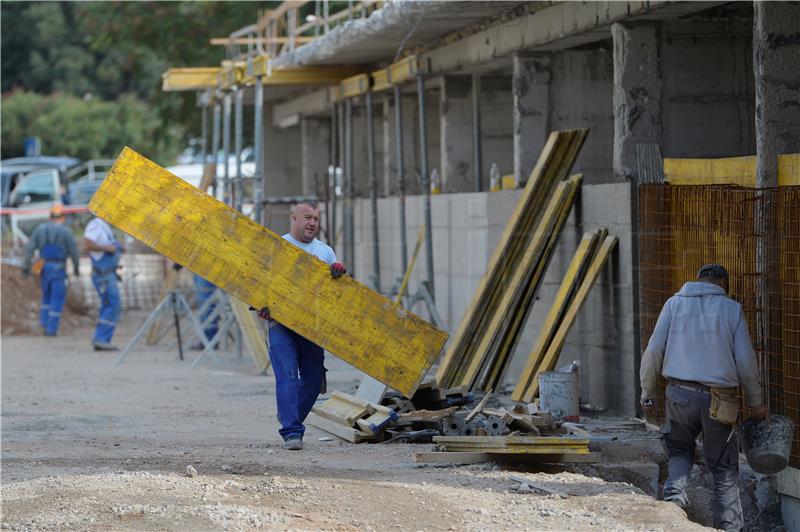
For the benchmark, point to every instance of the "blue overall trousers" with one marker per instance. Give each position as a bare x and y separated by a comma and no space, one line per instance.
54,287
202,291
299,368
104,278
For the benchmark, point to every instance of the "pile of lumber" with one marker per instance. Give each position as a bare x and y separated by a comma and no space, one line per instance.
481,348
592,253
351,418
535,449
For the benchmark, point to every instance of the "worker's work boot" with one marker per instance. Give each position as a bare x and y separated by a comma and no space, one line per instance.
104,346
293,444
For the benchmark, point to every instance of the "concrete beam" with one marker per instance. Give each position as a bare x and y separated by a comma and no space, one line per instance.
560,26
455,133
776,65
311,104
637,93
531,92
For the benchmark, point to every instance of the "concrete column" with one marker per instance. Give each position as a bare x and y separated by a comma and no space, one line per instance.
314,139
776,65
637,93
455,133
531,91
282,167
388,184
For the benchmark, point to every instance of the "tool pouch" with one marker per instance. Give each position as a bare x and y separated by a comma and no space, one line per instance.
724,406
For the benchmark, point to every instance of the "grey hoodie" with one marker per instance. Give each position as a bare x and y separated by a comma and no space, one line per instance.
701,335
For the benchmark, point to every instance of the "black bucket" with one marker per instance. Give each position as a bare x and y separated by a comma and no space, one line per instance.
768,443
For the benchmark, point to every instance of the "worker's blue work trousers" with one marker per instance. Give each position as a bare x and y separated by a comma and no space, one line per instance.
110,306
686,417
202,291
299,367
54,294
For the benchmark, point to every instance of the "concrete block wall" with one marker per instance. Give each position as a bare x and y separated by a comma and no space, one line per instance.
466,230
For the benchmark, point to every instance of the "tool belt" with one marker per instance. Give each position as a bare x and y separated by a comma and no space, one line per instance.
724,406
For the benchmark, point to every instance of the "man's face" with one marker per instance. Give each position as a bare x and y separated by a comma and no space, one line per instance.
305,223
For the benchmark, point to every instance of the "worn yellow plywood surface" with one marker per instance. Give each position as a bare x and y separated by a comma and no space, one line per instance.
726,171
258,267
789,169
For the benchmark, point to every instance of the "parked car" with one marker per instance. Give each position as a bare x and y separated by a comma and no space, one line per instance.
32,185
86,179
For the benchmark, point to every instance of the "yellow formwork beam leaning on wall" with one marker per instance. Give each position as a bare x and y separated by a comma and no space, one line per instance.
261,269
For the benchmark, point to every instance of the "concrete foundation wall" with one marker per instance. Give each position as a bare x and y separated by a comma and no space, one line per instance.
581,95
708,101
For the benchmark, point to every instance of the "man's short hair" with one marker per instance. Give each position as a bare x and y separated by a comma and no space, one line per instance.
712,270
311,203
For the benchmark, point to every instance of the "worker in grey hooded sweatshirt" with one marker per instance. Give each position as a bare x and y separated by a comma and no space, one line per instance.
701,345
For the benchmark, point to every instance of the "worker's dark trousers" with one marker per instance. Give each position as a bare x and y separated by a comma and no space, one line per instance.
299,366
54,294
686,417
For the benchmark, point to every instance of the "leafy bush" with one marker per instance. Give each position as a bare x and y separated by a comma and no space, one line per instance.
86,128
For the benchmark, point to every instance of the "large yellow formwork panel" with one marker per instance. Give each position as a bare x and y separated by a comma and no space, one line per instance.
260,268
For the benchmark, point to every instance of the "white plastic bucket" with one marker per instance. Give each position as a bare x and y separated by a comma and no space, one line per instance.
558,394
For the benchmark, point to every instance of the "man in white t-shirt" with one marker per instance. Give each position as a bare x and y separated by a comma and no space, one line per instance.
297,362
104,250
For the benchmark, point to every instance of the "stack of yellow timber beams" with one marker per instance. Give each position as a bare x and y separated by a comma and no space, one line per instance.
542,449
490,328
591,255
261,269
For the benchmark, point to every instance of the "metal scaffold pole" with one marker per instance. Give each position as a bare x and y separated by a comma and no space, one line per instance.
260,176
334,164
425,180
476,131
401,178
215,136
373,195
226,145
349,218
238,133
204,101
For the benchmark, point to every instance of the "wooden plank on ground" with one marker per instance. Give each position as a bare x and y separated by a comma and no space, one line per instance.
344,409
346,433
447,457
551,356
255,339
260,268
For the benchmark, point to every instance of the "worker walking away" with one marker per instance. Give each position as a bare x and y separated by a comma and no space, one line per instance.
54,241
104,250
297,362
701,344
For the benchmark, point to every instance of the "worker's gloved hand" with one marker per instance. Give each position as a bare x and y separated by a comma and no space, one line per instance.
337,270
263,313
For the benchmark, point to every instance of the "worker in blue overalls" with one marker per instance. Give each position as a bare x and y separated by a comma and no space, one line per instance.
202,291
54,241
104,249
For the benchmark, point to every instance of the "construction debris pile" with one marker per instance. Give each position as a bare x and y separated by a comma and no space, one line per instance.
464,431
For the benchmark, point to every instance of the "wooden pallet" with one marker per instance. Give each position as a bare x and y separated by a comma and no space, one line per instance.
260,268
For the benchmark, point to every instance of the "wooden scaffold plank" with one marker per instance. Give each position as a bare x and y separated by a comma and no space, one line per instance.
261,269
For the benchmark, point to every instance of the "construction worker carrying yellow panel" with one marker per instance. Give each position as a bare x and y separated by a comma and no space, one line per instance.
298,363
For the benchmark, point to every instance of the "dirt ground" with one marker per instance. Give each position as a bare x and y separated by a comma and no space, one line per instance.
20,304
92,445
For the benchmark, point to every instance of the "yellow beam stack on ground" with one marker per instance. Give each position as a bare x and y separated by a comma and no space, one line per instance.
258,267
